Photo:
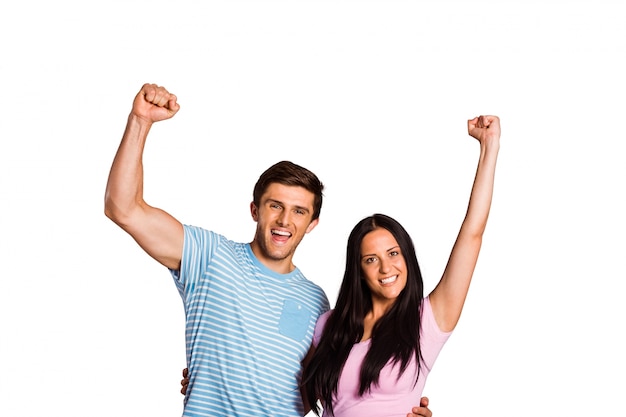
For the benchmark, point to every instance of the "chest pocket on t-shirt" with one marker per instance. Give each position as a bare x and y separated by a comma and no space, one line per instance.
294,320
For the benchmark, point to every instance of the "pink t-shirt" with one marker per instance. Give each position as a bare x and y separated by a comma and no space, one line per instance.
391,397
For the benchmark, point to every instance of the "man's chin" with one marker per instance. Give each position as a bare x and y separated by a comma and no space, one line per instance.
279,256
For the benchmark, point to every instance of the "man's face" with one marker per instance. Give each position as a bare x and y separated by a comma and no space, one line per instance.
283,217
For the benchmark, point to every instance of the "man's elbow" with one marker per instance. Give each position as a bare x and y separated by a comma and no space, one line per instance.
115,213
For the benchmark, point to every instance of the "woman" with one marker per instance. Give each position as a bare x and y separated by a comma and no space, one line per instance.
373,351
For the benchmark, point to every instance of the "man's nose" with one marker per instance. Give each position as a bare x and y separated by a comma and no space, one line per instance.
284,218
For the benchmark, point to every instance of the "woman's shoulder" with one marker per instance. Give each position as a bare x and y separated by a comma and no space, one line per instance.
323,318
319,326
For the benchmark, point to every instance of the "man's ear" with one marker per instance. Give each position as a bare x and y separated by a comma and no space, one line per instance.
312,225
254,211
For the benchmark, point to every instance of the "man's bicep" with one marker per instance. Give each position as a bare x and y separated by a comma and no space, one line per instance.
159,234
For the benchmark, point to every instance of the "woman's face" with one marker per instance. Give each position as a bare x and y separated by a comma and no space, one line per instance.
383,265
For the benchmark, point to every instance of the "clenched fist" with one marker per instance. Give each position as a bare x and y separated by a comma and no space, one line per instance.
154,103
484,128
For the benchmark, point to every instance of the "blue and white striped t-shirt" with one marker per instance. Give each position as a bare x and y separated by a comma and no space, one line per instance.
247,329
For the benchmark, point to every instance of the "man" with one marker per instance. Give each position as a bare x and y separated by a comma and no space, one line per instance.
250,312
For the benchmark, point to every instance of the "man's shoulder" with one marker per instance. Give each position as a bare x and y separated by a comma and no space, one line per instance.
203,234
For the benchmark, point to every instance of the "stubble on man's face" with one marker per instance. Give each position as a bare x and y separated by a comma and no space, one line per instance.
269,249
283,218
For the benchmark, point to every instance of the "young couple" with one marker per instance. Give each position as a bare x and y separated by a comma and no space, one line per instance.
261,338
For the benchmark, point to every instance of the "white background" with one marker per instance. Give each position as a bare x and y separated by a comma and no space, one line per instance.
374,97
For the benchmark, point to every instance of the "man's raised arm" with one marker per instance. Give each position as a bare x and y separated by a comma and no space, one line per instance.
156,231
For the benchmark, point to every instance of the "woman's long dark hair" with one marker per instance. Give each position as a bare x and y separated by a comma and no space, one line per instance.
395,336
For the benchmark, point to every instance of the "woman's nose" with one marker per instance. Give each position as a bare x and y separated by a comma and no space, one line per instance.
385,265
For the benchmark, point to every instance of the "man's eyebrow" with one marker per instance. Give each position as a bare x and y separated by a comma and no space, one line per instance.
271,200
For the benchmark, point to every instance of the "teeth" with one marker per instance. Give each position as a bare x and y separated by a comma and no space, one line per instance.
281,233
388,280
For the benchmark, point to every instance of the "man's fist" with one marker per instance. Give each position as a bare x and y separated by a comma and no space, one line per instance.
154,103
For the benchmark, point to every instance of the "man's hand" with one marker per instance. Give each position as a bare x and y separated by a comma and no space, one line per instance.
422,410
154,103
185,381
